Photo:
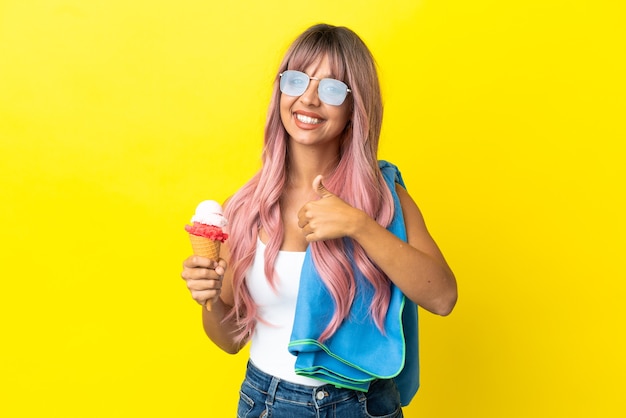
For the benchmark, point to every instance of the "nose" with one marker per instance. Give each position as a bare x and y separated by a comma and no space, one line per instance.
310,95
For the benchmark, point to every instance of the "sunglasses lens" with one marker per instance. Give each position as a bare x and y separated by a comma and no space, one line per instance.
293,83
332,91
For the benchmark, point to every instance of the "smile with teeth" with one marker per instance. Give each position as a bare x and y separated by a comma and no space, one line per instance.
308,119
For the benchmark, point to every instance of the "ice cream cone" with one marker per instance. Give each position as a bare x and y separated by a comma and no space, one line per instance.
208,248
205,247
206,232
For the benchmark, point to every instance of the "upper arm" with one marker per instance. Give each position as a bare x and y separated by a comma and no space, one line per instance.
417,233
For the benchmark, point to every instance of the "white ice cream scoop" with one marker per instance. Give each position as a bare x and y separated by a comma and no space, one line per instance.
209,212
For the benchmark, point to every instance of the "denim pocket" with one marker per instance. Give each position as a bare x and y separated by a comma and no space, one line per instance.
245,405
382,400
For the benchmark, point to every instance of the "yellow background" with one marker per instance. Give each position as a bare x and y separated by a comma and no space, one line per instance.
117,117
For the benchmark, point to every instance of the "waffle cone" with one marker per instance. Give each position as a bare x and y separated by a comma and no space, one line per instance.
205,247
208,248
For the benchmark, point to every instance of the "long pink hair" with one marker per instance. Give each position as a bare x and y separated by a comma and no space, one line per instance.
356,179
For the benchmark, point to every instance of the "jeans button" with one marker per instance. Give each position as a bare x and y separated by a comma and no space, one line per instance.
320,395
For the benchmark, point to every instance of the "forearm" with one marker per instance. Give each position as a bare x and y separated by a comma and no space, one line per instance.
417,267
221,332
423,277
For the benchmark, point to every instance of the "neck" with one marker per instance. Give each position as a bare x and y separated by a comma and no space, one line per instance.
305,163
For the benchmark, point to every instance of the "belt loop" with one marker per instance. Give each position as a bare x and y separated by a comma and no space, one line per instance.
361,396
271,391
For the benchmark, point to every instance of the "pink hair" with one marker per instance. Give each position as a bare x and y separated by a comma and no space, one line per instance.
356,179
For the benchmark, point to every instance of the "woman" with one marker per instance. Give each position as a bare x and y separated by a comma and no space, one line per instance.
320,191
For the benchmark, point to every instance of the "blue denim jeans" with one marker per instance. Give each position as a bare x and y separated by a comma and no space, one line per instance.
266,396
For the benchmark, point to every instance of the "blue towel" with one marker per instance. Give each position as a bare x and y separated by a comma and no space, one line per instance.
358,352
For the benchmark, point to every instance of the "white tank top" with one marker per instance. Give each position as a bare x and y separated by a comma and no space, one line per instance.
268,348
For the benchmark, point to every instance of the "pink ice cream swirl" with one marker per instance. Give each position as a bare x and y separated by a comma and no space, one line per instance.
212,232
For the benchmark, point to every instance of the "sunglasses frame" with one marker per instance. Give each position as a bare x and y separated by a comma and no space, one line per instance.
348,90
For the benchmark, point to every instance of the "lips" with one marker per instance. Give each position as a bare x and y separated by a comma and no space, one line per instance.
308,119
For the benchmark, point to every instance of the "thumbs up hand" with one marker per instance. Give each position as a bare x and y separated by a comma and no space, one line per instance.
328,217
319,187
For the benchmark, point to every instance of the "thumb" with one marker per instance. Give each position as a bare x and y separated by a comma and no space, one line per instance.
319,187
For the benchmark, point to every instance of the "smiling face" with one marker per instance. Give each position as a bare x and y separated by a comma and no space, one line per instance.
307,119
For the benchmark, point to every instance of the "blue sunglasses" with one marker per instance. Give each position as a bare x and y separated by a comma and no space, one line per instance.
329,90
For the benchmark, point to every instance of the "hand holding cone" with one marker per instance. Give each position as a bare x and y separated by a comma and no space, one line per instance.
206,233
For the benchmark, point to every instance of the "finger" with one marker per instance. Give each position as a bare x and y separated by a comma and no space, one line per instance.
220,270
306,230
203,285
197,261
310,236
200,273
222,263
302,217
319,188
192,274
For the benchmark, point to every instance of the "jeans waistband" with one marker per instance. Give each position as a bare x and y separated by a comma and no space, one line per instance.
275,388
